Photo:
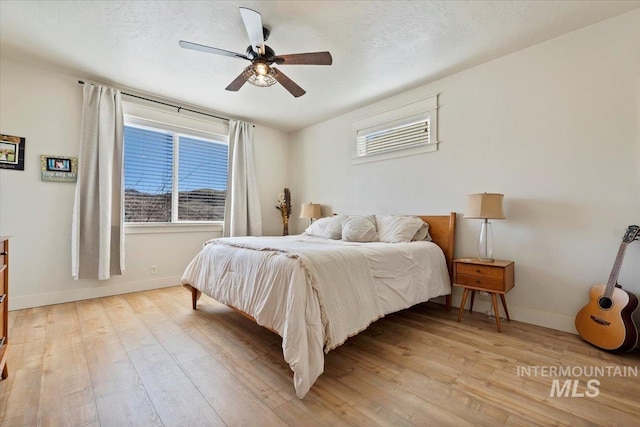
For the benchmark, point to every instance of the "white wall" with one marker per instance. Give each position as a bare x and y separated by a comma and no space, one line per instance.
45,107
555,127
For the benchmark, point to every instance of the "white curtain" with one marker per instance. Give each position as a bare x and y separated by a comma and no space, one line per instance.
242,213
97,233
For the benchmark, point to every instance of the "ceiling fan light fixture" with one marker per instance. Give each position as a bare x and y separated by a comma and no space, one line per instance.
262,69
260,74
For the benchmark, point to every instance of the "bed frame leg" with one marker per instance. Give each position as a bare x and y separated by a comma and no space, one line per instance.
447,302
195,295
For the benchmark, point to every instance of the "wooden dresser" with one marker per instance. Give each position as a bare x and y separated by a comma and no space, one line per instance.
4,305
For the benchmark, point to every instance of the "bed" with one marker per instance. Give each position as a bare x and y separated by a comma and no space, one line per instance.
304,288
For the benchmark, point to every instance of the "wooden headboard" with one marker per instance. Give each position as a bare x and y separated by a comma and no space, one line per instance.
442,229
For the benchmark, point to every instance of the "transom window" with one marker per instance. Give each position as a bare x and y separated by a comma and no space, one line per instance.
402,131
406,133
171,175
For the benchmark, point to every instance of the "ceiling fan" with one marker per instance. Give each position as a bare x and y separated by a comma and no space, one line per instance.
261,72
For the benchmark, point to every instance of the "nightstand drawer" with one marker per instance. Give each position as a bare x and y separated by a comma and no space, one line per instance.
481,270
480,281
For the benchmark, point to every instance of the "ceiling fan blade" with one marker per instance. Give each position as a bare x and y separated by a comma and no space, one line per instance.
209,49
253,24
237,83
288,84
311,58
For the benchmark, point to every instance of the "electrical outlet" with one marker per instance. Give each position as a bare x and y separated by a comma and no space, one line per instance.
153,270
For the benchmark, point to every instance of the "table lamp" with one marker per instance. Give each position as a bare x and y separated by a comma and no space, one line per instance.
310,211
485,206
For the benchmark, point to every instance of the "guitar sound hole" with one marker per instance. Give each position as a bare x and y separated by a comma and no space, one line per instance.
605,303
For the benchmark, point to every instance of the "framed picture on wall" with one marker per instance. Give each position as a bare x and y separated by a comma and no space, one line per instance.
12,152
58,164
58,168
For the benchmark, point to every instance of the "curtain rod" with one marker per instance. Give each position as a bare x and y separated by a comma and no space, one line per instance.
168,105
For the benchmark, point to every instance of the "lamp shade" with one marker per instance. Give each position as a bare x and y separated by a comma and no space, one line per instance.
484,206
310,210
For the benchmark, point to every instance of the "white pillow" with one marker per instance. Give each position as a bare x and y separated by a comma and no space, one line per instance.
400,228
327,228
359,228
422,234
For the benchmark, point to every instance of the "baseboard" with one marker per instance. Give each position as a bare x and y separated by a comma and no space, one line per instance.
39,300
559,322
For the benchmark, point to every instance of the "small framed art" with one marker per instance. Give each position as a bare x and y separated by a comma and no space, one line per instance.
58,168
12,152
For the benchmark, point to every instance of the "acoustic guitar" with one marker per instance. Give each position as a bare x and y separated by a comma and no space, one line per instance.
611,319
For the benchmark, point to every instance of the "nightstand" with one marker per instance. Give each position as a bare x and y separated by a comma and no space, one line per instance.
473,275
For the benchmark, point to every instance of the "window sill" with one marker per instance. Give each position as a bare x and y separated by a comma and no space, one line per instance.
424,148
182,227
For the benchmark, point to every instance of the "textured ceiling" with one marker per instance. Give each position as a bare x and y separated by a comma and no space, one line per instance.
378,48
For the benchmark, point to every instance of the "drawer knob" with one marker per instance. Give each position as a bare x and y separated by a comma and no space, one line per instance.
3,253
478,281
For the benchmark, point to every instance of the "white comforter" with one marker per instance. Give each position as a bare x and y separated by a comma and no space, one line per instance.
306,288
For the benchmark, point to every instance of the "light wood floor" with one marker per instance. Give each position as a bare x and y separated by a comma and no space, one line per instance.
148,359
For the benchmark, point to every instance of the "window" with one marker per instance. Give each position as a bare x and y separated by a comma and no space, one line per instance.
172,175
403,131
389,137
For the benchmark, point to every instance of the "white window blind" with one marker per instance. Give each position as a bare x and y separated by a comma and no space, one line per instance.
173,177
402,131
202,180
148,157
393,137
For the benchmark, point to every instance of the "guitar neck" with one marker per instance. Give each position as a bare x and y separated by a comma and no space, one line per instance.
615,271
